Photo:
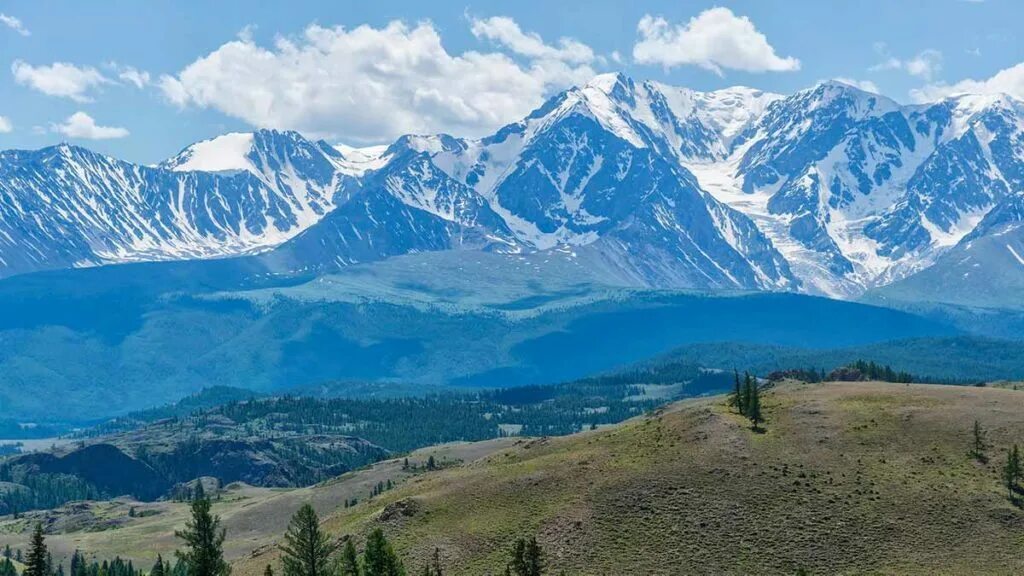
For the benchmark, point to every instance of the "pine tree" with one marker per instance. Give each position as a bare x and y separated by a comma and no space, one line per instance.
268,571
307,549
158,567
754,406
1011,471
748,391
35,562
979,444
349,559
534,558
379,558
527,558
737,394
204,542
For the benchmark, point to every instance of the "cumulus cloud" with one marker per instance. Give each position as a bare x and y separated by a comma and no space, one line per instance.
372,84
14,24
716,39
5,125
865,85
1007,81
59,79
81,125
926,64
507,33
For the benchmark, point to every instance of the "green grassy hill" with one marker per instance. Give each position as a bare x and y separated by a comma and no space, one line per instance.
847,479
850,478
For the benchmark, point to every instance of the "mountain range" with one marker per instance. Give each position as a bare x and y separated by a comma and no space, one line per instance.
830,191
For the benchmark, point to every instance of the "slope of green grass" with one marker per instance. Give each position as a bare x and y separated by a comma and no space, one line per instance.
847,479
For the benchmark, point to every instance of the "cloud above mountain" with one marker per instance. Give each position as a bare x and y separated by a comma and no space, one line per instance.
716,40
60,79
370,84
1007,81
81,125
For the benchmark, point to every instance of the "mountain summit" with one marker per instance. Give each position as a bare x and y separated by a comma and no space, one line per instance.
831,190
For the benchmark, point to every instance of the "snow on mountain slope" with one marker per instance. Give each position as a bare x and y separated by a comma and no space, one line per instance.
831,190
227,153
65,206
583,171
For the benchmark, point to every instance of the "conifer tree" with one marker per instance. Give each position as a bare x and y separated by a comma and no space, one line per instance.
379,558
204,542
527,558
754,406
979,443
736,400
349,560
35,562
1011,471
268,571
158,567
307,549
748,392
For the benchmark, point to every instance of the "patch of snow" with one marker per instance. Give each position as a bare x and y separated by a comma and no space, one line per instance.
227,153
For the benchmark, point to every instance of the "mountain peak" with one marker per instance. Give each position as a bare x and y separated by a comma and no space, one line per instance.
225,153
607,82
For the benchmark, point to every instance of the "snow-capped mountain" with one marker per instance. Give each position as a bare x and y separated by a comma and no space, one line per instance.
66,206
831,190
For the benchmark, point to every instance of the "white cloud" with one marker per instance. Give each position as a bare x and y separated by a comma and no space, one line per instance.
5,125
865,85
372,84
926,64
81,125
1007,81
506,32
59,79
715,39
138,78
14,24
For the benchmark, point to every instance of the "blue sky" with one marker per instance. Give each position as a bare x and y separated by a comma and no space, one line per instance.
141,80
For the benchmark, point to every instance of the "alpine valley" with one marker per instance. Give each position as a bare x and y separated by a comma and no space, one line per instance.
437,260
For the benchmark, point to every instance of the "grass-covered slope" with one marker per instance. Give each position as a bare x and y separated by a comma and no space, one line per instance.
848,478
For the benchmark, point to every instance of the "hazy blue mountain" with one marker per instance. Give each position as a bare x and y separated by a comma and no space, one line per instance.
83,344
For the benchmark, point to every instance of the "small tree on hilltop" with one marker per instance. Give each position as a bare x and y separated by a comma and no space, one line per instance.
736,401
307,549
979,443
1011,471
754,407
